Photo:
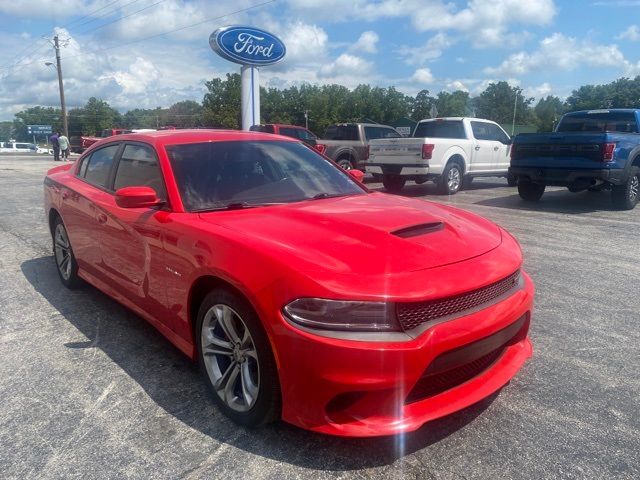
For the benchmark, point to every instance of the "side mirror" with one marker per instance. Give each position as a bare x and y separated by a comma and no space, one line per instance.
356,174
137,197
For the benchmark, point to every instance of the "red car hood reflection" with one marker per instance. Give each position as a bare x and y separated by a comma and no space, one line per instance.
363,234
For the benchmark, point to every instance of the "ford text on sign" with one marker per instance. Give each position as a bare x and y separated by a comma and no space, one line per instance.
247,45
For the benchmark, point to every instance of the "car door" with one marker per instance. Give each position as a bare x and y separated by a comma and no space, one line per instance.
79,197
131,240
483,150
501,149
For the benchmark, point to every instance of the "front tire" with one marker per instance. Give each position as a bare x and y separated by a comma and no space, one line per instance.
451,179
530,192
393,183
66,264
625,197
236,360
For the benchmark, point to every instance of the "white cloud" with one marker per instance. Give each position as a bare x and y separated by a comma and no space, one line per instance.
540,91
366,43
418,55
632,33
456,85
559,52
422,76
303,41
346,64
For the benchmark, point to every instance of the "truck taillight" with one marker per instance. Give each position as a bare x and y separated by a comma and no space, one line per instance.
427,150
321,148
607,152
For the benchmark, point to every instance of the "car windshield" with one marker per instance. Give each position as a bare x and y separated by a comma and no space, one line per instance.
225,174
602,121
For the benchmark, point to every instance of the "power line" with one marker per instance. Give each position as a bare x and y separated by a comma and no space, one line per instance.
91,13
122,18
184,27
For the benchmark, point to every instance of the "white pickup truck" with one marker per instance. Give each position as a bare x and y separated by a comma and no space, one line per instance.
447,151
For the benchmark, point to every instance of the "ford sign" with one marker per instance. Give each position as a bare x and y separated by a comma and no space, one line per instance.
247,45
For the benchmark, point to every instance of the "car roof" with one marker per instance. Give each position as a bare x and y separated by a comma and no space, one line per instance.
172,137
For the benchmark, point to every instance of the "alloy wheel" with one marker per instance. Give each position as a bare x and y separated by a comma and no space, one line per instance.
453,179
230,357
62,249
634,188
345,164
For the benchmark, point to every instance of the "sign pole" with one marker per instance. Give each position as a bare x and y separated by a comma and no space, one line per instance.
250,94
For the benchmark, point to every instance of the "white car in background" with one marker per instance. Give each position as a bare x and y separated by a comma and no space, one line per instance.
18,147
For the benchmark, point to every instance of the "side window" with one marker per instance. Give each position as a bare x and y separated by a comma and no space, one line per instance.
306,134
139,167
99,165
372,132
82,171
480,131
331,132
498,134
289,132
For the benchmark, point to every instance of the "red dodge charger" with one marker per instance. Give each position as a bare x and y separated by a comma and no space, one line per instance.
303,295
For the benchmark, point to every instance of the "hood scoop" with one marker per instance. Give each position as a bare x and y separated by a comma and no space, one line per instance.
417,230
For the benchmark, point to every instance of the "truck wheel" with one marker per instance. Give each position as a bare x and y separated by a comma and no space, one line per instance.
512,180
531,192
451,179
393,183
345,164
625,196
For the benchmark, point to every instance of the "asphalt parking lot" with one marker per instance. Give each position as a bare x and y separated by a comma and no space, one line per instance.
90,390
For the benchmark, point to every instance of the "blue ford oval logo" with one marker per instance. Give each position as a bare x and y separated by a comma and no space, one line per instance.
247,45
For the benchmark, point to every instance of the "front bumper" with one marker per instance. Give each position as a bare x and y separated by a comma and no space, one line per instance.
564,177
356,388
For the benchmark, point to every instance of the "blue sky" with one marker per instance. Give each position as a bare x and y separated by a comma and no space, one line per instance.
120,51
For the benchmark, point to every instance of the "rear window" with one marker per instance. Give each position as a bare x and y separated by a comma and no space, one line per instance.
380,132
604,121
341,132
440,129
261,128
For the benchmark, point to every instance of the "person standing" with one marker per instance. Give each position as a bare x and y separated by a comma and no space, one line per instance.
56,146
63,142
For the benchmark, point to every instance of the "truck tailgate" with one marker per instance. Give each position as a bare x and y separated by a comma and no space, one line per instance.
559,150
396,150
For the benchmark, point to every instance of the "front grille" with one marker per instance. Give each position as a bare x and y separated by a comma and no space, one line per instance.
431,385
413,314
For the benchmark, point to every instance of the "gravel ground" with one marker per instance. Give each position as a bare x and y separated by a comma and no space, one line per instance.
90,390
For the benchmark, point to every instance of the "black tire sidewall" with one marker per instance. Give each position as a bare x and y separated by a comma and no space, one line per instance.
620,193
393,184
267,407
530,192
74,280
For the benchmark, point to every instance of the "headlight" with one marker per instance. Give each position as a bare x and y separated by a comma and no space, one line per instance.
324,314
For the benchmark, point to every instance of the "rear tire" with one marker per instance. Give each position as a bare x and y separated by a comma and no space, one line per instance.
512,180
625,197
451,179
345,163
393,183
236,360
66,264
530,192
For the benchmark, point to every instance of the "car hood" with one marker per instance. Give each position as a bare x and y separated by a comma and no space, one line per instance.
371,233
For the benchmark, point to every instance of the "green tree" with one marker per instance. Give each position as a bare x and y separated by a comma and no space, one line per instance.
421,105
6,131
547,113
497,103
185,114
95,116
221,104
455,104
36,116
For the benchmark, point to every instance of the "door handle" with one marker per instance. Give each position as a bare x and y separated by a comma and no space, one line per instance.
477,147
496,148
102,218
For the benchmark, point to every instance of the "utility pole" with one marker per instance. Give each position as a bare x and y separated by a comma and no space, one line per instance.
306,119
65,126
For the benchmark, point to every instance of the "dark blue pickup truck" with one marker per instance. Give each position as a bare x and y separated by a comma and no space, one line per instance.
589,150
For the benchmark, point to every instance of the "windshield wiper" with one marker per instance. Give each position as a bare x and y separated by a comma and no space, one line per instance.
236,206
327,195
